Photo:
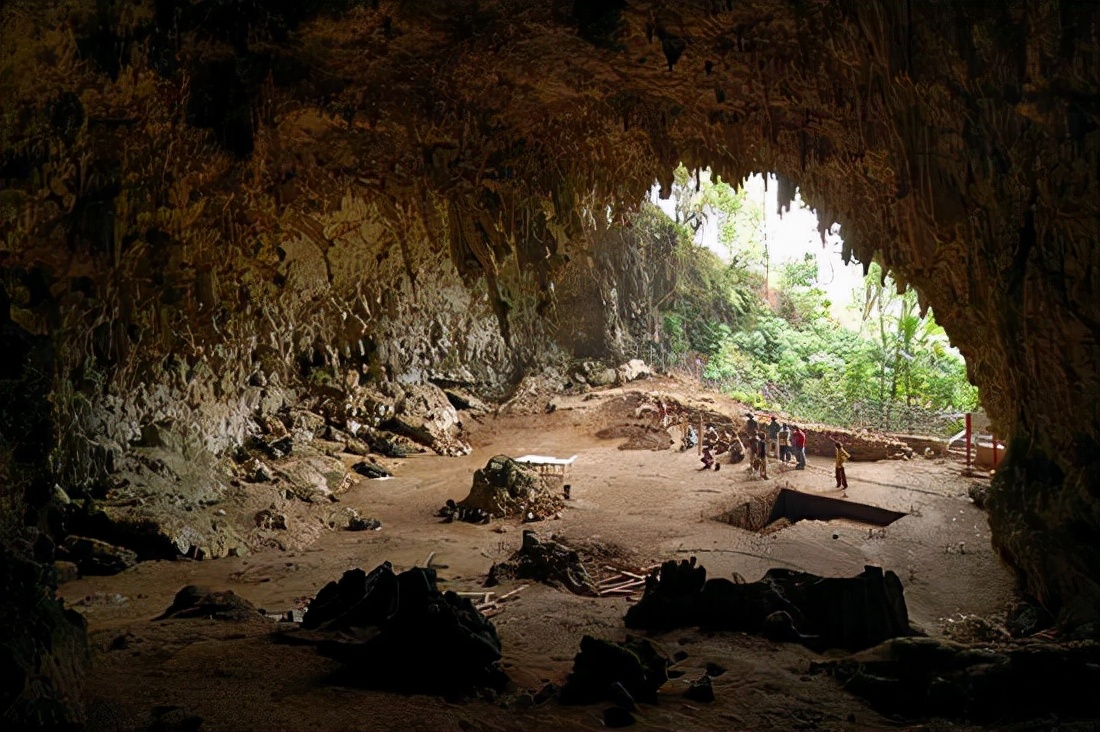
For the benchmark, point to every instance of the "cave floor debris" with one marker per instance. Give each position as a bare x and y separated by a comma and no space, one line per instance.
646,505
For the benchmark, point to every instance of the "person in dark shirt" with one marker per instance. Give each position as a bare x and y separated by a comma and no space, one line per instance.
773,437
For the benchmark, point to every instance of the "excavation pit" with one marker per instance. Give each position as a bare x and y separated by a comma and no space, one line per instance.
782,507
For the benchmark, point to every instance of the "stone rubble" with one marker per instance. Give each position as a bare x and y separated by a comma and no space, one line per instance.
544,561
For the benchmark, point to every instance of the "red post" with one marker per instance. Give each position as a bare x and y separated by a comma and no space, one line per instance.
968,439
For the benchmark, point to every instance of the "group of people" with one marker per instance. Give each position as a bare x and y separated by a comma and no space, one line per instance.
715,444
779,440
786,443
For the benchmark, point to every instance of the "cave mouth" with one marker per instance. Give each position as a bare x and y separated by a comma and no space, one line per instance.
783,507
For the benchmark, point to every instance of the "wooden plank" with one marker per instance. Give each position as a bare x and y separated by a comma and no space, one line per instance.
513,593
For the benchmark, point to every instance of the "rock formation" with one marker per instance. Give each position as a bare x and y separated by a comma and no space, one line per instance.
206,208
820,612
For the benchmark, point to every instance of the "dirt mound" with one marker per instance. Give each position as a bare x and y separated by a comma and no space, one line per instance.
597,553
507,488
638,437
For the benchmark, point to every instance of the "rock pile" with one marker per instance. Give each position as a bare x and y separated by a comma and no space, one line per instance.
194,601
820,612
92,556
507,488
545,561
622,673
399,631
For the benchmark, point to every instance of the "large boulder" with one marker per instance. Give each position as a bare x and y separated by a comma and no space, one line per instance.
43,651
603,669
92,556
314,478
415,638
821,612
424,414
194,601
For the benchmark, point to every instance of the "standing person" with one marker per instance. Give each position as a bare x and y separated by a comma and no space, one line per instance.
762,454
798,444
841,457
773,436
785,443
750,428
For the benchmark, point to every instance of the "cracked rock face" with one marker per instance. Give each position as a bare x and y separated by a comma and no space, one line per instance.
208,208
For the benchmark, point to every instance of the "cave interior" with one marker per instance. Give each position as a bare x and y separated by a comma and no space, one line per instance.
212,211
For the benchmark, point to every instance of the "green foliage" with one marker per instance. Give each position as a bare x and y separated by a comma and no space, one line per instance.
897,371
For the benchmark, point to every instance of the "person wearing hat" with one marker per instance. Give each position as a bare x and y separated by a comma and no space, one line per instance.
750,427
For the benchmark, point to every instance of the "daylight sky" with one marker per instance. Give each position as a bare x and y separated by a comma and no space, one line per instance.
790,237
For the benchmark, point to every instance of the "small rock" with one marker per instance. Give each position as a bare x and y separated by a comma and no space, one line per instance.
700,690
371,470
270,519
715,670
174,719
65,571
359,523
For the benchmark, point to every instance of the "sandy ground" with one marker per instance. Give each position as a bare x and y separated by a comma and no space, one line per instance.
655,504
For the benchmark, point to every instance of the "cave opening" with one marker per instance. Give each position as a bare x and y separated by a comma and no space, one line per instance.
250,251
796,322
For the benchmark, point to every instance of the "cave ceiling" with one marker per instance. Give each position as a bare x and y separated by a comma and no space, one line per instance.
933,132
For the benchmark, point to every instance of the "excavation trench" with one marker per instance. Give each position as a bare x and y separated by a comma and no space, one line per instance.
782,507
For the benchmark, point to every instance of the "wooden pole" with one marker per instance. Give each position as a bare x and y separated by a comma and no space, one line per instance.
968,439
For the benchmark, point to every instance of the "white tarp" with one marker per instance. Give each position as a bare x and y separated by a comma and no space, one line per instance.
545,460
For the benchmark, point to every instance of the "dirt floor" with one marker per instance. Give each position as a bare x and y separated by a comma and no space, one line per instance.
645,505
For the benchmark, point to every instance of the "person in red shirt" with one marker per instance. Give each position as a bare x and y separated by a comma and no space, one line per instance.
798,446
